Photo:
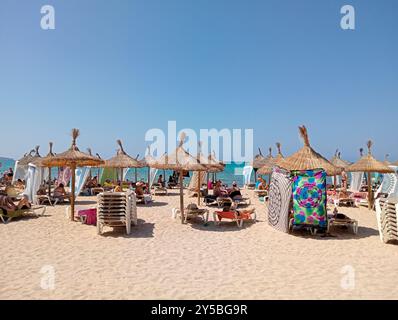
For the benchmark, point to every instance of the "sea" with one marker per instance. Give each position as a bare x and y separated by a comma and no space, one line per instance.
232,172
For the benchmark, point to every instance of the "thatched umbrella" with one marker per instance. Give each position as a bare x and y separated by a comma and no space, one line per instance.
308,159
72,158
121,161
31,156
369,165
180,160
260,161
211,164
27,157
339,163
266,169
386,161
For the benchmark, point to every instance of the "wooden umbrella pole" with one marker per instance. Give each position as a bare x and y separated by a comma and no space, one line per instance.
370,200
72,205
135,173
121,178
335,183
149,177
198,188
49,182
182,195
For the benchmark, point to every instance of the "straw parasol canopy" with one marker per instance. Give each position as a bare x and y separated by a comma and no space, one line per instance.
72,158
259,160
386,161
122,159
369,164
26,159
215,165
180,160
271,162
29,157
307,158
338,162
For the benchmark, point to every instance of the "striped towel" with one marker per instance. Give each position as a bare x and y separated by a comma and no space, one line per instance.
280,194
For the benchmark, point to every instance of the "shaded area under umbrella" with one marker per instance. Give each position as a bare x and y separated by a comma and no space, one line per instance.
180,160
369,164
72,158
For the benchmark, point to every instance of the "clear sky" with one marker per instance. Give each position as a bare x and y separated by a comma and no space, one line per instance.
115,69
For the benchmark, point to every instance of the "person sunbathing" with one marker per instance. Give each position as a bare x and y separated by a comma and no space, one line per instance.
60,193
262,185
8,206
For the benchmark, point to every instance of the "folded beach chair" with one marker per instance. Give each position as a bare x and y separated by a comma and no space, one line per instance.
387,219
34,210
116,209
309,200
238,216
192,210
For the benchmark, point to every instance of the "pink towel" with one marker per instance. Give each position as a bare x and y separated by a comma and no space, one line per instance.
91,215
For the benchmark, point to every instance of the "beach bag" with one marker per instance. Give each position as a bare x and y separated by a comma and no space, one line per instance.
280,194
309,198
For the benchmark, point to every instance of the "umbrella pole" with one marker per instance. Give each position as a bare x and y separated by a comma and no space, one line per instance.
198,188
182,196
370,192
149,177
72,204
49,182
135,173
121,178
335,183
255,175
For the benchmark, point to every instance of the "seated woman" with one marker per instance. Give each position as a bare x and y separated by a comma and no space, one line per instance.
60,193
262,185
139,189
7,205
234,192
19,184
160,181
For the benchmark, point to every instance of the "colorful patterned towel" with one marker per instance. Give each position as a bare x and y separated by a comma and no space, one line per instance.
309,198
280,194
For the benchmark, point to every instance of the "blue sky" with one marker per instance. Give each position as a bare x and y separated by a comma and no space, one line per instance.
115,69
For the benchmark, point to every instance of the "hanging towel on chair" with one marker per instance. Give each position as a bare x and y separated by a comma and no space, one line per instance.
280,194
309,198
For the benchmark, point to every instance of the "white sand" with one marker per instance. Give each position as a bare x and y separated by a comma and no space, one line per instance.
163,259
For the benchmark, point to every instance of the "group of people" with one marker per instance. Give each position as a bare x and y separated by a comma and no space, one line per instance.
222,191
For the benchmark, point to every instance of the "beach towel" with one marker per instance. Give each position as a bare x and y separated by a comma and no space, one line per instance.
64,176
81,178
247,173
280,194
309,198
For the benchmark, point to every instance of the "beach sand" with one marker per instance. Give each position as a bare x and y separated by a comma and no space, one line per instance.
163,259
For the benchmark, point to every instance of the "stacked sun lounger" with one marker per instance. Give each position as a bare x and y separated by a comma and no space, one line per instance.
116,209
386,210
